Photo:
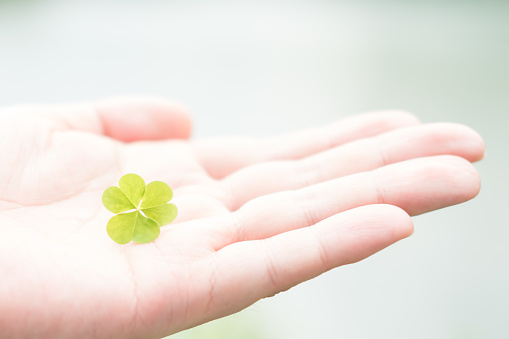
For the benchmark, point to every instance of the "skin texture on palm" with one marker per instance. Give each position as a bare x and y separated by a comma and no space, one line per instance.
256,217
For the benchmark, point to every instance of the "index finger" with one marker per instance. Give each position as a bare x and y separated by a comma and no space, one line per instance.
221,157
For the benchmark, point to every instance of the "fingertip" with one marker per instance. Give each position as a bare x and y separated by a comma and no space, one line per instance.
462,140
477,145
455,180
400,221
143,118
390,218
363,231
466,178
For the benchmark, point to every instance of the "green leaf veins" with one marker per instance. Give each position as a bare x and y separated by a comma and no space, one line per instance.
141,209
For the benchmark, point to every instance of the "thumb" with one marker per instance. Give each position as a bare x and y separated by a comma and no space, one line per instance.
123,118
143,118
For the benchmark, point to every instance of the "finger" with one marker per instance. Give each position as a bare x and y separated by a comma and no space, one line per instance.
126,119
417,186
133,119
248,271
356,156
224,156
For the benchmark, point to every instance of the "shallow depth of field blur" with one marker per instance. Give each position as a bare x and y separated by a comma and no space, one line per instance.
260,68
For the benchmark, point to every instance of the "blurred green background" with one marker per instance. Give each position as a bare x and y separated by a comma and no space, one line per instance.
260,68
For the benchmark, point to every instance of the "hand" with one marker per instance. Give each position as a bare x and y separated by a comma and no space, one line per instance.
256,217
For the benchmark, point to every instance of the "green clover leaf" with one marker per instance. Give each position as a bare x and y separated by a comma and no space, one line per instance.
141,209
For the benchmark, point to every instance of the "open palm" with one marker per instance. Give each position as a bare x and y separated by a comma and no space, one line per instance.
256,217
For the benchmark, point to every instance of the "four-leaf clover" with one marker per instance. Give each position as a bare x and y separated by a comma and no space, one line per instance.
142,209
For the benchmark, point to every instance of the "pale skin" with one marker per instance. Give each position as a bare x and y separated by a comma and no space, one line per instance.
256,217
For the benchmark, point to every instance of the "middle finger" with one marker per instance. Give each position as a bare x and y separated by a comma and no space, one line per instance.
358,156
